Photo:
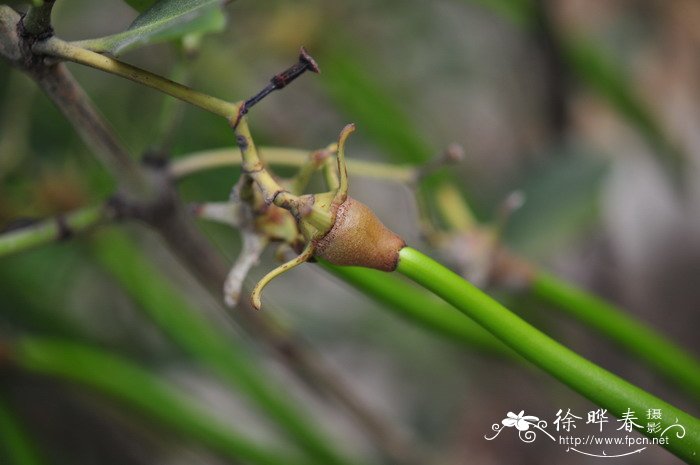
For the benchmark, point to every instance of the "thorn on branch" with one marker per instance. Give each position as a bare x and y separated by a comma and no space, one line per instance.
280,81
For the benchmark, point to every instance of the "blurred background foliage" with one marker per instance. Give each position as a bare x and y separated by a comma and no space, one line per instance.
589,107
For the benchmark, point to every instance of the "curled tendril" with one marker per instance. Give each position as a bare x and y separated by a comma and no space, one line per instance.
527,436
497,427
679,434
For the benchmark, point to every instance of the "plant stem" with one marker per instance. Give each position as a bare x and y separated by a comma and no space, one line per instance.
51,230
174,226
642,341
60,86
64,50
138,390
282,156
37,21
418,306
18,447
588,379
639,339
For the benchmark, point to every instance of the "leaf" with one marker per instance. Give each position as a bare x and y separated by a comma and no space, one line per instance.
608,80
369,104
562,203
518,11
588,63
164,20
140,5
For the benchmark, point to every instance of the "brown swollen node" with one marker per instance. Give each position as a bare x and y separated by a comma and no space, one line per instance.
359,238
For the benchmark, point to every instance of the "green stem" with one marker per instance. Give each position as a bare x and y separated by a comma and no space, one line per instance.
418,306
17,446
64,50
51,230
283,156
642,341
588,379
137,389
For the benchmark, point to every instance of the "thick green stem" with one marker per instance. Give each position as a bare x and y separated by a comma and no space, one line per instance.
600,386
51,230
418,306
642,341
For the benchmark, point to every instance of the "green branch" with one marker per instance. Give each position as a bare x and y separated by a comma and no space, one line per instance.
51,230
419,307
283,156
644,342
588,379
58,48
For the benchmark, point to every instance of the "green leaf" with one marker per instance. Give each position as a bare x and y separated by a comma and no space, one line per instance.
364,100
607,79
17,446
518,11
164,20
167,306
140,5
142,392
589,64
562,203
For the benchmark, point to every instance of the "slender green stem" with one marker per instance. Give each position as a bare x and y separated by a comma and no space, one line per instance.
283,156
17,446
66,51
51,230
600,386
138,390
168,307
639,339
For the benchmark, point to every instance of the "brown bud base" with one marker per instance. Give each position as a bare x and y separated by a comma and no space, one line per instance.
358,238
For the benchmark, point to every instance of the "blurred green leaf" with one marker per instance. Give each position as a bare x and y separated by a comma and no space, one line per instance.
166,305
589,64
562,201
140,391
368,104
16,447
165,20
140,5
603,76
520,12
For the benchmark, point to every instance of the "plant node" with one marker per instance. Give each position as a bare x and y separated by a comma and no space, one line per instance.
339,229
